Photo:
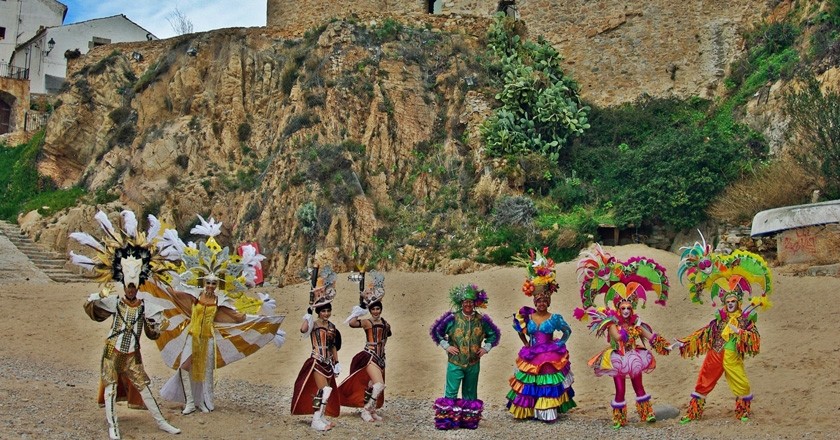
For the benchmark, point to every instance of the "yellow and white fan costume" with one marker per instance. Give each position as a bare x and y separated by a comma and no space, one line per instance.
202,337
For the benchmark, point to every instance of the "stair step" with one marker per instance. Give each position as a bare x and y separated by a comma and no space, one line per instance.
52,264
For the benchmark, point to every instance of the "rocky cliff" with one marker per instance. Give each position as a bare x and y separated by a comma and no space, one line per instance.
327,142
302,144
617,49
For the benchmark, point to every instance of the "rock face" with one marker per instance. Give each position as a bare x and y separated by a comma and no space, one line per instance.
617,50
320,140
251,128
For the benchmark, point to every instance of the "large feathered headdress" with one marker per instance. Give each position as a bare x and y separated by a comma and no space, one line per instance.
631,280
721,275
374,288
210,261
124,254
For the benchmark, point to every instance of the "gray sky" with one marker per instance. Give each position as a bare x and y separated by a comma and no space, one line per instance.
151,14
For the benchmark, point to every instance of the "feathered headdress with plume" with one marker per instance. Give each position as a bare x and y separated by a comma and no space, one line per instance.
719,275
208,260
374,288
631,280
324,291
119,245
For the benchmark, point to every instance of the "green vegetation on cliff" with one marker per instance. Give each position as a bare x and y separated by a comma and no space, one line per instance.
22,189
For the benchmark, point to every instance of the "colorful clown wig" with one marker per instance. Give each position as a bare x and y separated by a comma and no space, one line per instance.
463,292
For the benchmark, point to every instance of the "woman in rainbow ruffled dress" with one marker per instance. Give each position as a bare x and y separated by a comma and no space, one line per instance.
541,387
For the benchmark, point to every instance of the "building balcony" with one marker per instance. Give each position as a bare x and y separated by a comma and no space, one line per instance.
8,71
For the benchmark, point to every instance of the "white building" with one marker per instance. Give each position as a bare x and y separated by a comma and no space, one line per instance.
43,55
20,20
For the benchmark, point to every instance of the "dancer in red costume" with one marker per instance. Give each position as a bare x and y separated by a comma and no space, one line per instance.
364,387
317,375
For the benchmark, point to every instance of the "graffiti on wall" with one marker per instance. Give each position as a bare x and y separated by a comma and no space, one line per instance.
807,245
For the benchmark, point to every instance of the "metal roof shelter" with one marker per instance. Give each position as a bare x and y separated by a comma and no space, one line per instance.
776,220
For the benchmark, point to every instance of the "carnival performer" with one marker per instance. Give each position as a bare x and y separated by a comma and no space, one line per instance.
541,388
126,257
316,379
364,387
207,330
623,284
732,333
466,335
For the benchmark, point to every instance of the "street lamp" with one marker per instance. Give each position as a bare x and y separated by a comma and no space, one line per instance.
50,46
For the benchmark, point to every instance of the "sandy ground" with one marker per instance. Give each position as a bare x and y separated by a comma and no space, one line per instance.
50,351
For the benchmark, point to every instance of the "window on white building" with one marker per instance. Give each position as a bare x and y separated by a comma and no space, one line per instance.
98,41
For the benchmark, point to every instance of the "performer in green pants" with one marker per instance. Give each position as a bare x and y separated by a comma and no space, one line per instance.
466,335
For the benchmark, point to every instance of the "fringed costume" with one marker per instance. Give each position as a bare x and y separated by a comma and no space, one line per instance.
131,259
732,334
360,389
630,340
541,387
474,335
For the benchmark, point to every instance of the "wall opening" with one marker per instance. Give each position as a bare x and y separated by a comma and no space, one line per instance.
98,41
508,7
7,103
434,6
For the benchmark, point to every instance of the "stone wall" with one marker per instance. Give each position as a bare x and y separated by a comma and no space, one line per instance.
16,93
812,245
617,50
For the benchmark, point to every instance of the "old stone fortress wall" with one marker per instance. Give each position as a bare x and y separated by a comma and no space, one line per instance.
616,49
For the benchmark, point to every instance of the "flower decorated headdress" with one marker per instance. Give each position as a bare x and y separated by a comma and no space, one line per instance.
124,254
541,281
631,280
323,290
465,292
210,261
721,275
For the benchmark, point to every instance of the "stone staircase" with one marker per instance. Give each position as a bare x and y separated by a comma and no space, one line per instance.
50,263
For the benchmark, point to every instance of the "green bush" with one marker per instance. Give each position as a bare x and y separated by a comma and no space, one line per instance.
331,167
814,116
663,161
23,189
674,176
307,217
50,202
514,211
243,133
120,115
104,63
570,192
300,121
389,30
541,108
